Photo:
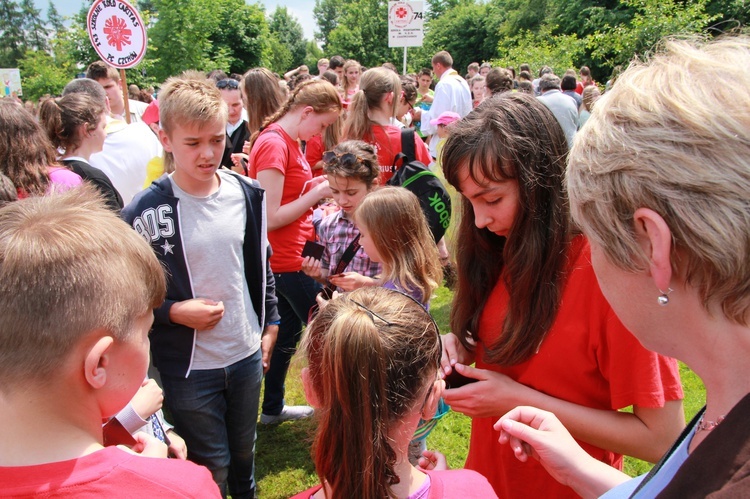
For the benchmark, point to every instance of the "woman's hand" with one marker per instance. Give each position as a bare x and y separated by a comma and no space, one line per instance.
454,353
532,432
349,281
318,185
491,395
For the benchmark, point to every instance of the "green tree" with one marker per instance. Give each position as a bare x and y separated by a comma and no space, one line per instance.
279,57
465,31
541,48
54,19
241,38
207,34
327,14
12,38
33,25
614,45
362,34
42,74
288,31
312,54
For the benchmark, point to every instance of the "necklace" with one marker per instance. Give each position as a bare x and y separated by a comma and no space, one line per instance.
708,425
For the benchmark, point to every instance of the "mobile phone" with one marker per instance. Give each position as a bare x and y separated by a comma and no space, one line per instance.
457,380
313,249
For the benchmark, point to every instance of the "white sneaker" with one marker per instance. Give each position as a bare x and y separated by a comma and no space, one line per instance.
288,413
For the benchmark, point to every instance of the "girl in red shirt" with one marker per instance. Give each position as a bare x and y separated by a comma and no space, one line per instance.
277,162
372,118
528,309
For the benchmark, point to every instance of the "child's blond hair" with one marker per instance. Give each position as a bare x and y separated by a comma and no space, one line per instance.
396,223
68,266
189,99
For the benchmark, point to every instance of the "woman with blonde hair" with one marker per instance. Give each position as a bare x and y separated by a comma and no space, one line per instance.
373,357
277,162
666,212
350,81
372,118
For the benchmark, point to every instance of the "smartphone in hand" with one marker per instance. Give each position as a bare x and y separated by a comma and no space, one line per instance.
313,249
457,380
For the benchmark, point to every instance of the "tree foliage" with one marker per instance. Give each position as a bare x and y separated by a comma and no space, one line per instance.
326,13
207,34
43,74
362,34
288,31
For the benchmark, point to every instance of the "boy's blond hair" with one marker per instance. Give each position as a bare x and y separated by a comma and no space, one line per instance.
68,266
189,99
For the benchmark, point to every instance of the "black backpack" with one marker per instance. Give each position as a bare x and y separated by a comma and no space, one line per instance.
416,177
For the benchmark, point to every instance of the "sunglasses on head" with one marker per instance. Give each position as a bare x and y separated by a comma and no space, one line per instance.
228,83
346,160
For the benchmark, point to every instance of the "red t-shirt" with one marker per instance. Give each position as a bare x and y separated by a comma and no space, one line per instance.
387,142
111,473
588,358
274,148
314,150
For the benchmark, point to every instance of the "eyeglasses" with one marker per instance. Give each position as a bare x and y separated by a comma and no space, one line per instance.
227,83
346,160
403,95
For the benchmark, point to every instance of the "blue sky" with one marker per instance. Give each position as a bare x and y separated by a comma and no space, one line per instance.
301,9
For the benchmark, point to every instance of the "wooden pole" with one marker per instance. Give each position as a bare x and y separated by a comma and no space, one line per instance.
125,94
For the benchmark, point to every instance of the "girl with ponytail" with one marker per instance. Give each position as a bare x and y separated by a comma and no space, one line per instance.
372,118
373,357
277,162
75,125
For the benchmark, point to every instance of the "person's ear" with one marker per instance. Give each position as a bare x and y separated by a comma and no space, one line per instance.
164,139
653,235
307,112
433,399
96,362
307,384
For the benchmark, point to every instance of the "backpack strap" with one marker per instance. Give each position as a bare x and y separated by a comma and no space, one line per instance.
408,152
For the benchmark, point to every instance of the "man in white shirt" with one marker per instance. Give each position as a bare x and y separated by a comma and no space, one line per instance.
109,78
451,94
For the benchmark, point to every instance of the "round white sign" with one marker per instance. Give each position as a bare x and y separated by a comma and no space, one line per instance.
400,14
117,33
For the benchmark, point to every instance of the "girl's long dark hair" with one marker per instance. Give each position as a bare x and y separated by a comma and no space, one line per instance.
511,136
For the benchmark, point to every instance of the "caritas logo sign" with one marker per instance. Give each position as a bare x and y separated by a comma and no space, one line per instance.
117,33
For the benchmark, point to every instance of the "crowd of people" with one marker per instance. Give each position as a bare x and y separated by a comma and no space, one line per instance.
173,252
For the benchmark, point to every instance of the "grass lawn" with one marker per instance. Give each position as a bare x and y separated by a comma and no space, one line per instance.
284,466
